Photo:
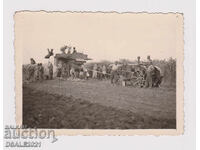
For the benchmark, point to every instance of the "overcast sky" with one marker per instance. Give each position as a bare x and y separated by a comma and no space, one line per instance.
109,36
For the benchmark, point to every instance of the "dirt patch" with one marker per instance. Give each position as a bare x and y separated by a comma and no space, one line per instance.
155,102
44,110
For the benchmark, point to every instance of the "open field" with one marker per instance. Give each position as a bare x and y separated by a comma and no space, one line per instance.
97,104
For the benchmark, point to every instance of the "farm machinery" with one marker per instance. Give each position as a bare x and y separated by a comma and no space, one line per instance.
131,75
136,75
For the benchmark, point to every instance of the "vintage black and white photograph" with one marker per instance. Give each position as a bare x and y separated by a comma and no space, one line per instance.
94,70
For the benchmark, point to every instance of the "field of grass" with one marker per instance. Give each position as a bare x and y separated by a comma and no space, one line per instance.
97,105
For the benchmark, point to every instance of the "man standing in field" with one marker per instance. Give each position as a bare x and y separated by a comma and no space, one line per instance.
149,61
149,76
94,73
85,72
50,67
104,71
40,71
149,73
114,73
138,60
59,69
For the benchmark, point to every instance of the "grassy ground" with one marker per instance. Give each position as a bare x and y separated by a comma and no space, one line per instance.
97,104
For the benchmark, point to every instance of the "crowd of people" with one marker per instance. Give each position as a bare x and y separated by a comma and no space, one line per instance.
37,71
115,72
122,73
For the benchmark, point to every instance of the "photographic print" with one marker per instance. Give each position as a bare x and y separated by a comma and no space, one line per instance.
99,73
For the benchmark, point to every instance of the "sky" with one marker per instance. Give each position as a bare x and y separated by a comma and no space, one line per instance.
102,36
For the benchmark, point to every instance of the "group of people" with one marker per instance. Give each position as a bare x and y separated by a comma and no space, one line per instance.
38,71
119,71
65,71
99,72
73,71
147,75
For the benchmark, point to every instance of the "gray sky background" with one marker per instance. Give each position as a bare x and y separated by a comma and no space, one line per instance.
108,36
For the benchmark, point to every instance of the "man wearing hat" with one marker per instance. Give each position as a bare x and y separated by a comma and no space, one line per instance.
149,61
